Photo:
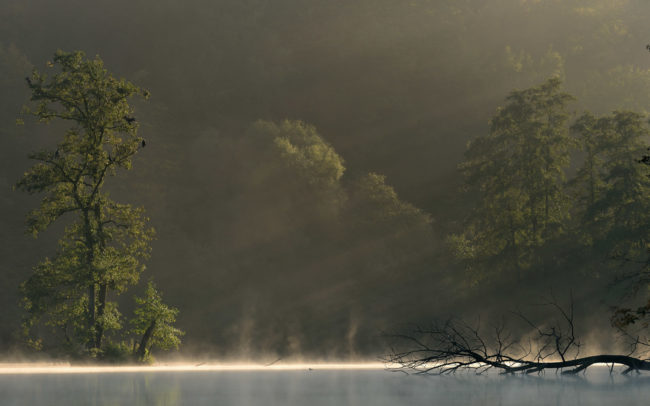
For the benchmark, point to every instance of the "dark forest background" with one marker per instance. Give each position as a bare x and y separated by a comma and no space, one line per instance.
267,252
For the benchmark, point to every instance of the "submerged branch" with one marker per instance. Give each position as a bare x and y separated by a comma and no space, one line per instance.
453,346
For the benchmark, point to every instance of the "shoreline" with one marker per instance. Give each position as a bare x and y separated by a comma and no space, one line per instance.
67,368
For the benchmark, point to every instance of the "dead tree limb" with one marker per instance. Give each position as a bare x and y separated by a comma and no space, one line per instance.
455,345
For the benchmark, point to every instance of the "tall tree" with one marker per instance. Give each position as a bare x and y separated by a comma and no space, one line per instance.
624,317
615,215
516,172
591,134
104,242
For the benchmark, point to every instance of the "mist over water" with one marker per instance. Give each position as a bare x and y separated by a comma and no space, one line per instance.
320,388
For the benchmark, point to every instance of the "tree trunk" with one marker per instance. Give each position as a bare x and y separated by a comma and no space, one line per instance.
146,338
103,286
513,250
592,181
89,246
92,320
580,364
101,308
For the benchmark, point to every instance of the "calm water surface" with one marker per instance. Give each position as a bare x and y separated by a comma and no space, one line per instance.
319,387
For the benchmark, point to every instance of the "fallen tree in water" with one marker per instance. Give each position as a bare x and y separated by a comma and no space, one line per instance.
455,345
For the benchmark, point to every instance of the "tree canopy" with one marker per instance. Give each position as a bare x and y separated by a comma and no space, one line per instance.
153,322
517,174
104,242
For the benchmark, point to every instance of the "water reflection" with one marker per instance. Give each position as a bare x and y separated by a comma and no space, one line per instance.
319,387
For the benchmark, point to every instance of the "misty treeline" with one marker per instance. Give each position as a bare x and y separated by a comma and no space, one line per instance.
530,216
311,234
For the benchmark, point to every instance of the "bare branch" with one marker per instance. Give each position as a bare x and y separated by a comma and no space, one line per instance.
452,346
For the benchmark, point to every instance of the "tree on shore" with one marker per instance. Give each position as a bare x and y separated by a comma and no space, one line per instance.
517,168
516,174
104,242
634,321
153,324
613,188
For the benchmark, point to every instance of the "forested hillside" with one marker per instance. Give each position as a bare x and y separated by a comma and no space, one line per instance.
320,172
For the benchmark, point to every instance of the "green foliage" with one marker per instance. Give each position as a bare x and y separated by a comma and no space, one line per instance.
377,205
591,135
104,242
301,171
153,323
309,162
116,353
615,207
304,151
517,174
523,212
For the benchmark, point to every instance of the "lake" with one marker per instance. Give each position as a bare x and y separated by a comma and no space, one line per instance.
320,385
